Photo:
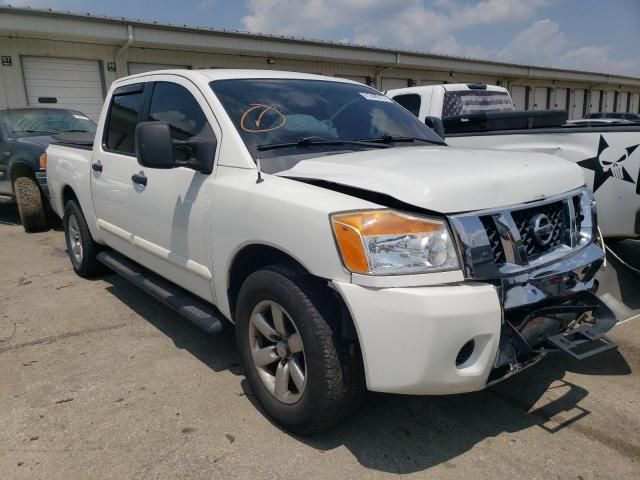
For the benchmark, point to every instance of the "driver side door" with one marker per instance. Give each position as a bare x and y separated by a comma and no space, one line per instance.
172,207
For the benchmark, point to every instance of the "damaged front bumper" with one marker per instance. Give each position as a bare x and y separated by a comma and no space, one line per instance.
553,309
461,337
542,257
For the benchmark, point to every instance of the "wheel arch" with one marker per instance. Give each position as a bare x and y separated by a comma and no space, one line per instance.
251,258
69,194
255,256
21,168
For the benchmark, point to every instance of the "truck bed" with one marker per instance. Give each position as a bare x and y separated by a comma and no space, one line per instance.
548,130
502,121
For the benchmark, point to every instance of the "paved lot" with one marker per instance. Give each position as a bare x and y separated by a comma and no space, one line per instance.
98,380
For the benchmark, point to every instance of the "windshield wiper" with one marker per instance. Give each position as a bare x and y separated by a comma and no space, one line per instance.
36,131
313,141
387,139
76,130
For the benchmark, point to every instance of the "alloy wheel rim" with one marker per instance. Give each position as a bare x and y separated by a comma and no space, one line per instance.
75,240
277,351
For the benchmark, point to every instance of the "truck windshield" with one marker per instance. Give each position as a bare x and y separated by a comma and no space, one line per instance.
278,117
45,121
464,102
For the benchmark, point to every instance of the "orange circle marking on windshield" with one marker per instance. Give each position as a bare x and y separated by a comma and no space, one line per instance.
257,121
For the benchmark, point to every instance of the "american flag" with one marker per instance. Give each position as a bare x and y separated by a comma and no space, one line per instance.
464,102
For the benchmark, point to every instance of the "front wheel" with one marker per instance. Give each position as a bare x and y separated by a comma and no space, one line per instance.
300,371
30,204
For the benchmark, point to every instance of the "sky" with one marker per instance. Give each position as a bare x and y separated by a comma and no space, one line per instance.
594,35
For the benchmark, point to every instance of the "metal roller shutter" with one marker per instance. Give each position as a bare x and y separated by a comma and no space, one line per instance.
635,103
577,112
622,102
595,101
355,78
560,100
540,95
519,97
393,83
65,83
135,68
609,101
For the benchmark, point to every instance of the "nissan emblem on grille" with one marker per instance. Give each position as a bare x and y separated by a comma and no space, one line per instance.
542,229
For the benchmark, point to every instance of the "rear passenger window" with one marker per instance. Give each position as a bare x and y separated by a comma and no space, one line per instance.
410,101
173,104
126,105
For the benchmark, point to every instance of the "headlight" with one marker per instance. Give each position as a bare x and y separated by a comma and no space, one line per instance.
384,242
586,218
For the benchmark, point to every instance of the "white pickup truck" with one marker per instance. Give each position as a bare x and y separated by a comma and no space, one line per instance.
347,244
483,116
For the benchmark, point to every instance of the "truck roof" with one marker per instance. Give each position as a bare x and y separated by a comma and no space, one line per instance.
230,74
448,87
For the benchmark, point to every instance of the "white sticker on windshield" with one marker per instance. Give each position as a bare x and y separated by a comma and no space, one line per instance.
376,98
81,117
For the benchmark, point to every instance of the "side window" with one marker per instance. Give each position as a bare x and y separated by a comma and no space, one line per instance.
124,110
173,104
410,101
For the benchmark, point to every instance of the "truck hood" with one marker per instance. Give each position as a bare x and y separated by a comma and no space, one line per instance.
41,141
445,179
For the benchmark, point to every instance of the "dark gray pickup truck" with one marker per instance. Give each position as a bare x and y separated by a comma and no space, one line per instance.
25,134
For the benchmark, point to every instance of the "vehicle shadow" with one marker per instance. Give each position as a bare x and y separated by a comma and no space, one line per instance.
407,434
217,351
8,212
626,278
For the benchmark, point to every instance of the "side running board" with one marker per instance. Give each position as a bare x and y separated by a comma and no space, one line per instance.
194,309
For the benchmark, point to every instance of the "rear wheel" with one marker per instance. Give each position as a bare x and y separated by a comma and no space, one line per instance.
81,248
30,204
299,369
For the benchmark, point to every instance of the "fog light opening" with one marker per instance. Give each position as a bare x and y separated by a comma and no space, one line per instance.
465,352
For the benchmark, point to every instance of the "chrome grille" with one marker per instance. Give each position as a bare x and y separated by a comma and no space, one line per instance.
503,242
494,239
523,219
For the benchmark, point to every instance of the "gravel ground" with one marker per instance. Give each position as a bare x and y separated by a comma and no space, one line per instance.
98,380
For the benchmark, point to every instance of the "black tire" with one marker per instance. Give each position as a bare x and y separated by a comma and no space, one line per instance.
334,373
30,204
75,225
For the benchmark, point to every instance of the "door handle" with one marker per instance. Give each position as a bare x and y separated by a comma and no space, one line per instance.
139,178
96,167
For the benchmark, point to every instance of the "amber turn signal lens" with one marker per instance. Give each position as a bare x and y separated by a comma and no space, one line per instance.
43,161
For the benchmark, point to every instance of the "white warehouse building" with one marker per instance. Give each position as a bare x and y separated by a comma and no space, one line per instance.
69,60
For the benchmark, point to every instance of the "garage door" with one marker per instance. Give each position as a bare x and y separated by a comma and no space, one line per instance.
148,67
635,103
393,83
560,100
622,102
65,83
577,112
540,98
609,101
355,78
594,102
519,97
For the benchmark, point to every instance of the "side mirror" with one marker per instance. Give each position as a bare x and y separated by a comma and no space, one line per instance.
154,146
201,152
435,124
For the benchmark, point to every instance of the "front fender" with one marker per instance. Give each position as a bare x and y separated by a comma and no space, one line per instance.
290,216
